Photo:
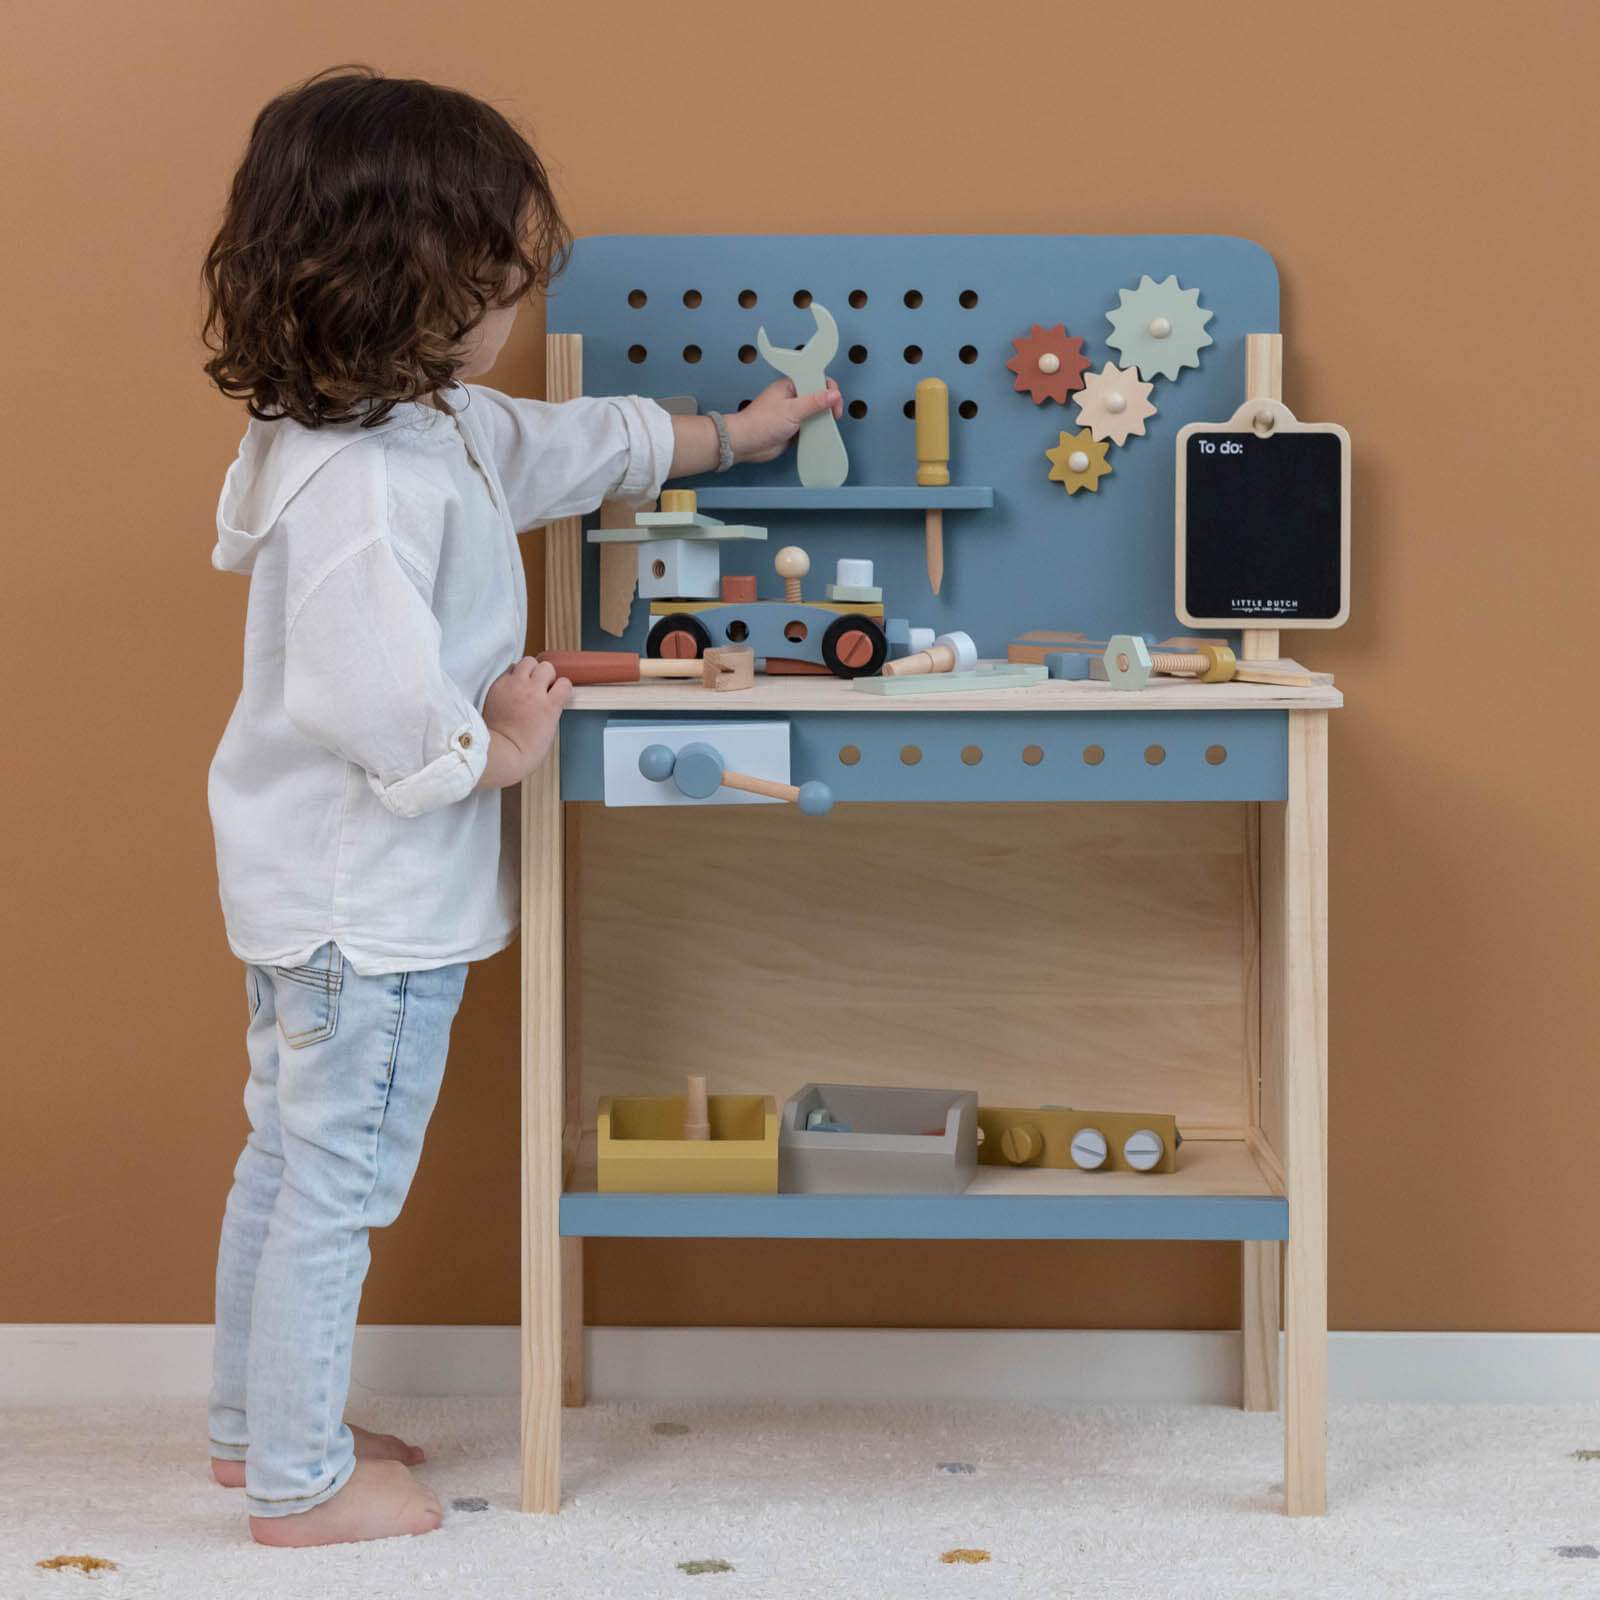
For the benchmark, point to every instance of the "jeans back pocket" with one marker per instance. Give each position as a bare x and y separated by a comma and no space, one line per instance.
308,998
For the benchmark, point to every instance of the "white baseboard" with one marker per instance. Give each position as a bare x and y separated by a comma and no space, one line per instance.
92,1360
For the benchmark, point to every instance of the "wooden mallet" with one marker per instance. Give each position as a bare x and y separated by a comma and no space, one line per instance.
727,667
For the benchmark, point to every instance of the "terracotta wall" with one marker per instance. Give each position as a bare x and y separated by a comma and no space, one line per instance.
1422,172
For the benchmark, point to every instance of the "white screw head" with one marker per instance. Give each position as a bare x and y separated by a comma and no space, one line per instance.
1088,1148
1160,327
1049,362
1078,461
1116,401
1143,1150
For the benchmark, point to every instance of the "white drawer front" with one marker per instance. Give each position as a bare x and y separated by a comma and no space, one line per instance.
760,749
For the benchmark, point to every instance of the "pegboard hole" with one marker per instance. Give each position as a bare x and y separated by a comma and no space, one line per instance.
967,410
968,354
658,570
969,299
913,298
1154,755
910,755
795,632
637,298
913,353
849,755
802,298
1216,754
747,353
691,298
909,410
637,353
1032,755
857,409
737,632
747,298
971,755
858,353
1093,755
691,353
858,302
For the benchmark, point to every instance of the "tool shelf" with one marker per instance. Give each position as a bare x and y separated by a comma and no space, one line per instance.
849,497
1220,1191
1162,936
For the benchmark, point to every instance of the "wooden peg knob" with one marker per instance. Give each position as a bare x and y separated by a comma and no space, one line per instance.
696,1113
679,500
793,564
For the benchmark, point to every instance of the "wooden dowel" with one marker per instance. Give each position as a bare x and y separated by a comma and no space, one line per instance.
1263,380
766,786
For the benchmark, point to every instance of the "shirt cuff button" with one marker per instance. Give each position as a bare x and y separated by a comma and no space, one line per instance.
466,741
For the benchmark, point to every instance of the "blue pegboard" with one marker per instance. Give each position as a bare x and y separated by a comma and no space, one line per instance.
1039,558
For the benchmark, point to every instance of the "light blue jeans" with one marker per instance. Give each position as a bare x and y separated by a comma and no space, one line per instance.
344,1073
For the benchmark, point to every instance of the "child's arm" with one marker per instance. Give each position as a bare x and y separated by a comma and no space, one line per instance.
362,677
562,459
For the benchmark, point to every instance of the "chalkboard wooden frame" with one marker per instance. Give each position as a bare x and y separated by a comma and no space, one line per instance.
1264,419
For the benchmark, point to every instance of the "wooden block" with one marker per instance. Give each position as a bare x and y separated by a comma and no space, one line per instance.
854,594
679,500
738,588
1042,1137
729,666
678,567
988,675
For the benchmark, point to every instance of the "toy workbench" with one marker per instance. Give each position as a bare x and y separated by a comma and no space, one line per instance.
1135,914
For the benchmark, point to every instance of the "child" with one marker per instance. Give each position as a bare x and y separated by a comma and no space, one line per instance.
378,237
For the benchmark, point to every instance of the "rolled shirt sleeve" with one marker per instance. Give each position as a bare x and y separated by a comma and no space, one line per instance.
362,677
562,459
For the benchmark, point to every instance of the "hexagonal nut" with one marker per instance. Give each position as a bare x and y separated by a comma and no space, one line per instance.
1127,661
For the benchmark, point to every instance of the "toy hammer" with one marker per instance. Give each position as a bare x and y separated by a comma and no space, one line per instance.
726,667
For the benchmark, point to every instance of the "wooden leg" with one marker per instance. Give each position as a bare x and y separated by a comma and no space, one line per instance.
543,1093
1302,998
572,1380
1258,1323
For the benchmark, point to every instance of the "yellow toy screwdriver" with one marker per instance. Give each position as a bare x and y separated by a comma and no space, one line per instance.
933,464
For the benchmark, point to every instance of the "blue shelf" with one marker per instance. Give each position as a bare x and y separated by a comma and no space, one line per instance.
884,1216
850,497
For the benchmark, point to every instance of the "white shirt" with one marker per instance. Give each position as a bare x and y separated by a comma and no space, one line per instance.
386,595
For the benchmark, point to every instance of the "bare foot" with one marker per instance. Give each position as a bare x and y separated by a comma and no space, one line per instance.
369,1447
381,1501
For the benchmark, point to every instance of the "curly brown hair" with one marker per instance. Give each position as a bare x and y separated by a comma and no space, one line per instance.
371,224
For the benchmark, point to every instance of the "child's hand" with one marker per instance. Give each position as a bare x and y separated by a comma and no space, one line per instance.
522,708
763,430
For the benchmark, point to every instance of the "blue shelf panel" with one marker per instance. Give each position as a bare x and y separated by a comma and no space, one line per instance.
1254,746
872,1216
678,314
850,497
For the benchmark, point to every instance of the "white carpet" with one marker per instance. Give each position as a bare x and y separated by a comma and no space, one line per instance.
815,1503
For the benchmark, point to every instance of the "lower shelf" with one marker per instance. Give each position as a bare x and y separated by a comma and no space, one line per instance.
1219,1192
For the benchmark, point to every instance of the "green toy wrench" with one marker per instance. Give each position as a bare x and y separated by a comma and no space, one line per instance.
820,453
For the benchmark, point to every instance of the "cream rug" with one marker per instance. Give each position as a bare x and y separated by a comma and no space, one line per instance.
812,1503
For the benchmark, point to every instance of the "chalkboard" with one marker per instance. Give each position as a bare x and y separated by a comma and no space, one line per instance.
1263,521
